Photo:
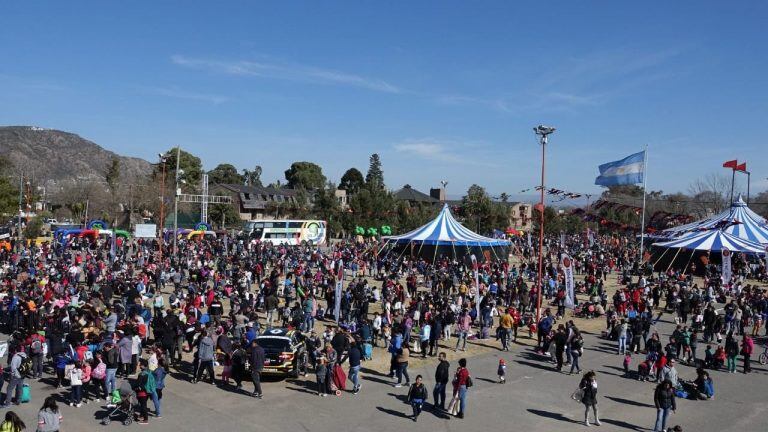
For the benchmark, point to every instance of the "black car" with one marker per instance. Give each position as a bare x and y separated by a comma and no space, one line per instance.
284,352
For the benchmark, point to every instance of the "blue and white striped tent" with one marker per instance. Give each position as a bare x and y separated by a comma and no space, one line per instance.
741,222
444,230
713,240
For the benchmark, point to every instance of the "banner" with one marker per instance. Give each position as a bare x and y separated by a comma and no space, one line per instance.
145,231
477,284
339,282
727,271
529,240
562,240
567,263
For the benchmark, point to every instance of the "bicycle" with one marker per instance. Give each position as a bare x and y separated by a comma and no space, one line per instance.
763,357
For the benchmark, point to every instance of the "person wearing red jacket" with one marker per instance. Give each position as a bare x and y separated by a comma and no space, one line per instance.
461,382
747,346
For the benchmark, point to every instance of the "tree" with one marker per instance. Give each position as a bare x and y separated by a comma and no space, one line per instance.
623,190
225,174
112,174
710,194
375,176
222,215
9,192
252,177
352,180
188,163
305,175
326,207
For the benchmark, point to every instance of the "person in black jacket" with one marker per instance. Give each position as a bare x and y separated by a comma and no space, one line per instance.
664,400
588,386
441,381
417,395
256,357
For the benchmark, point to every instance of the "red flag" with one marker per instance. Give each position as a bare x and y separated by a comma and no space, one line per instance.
731,164
742,167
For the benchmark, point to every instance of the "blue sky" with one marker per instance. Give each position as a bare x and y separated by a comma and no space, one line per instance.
442,90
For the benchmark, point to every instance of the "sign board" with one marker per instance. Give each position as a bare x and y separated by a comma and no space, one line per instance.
145,231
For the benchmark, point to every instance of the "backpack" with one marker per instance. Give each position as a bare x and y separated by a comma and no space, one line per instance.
36,347
26,366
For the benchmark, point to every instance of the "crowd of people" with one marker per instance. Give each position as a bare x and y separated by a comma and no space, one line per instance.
110,322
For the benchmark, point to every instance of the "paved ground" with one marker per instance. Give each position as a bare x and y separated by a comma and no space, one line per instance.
535,398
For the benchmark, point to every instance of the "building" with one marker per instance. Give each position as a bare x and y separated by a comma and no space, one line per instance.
520,216
407,193
343,198
253,202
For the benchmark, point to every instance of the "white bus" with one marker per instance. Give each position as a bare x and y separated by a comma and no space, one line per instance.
286,232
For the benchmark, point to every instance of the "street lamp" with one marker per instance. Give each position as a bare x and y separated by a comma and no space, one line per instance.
543,133
177,192
444,183
163,158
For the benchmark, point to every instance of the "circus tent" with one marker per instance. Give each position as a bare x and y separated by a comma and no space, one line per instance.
739,220
445,236
715,241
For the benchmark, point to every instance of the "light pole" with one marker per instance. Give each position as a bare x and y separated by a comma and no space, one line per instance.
542,132
444,183
162,158
176,204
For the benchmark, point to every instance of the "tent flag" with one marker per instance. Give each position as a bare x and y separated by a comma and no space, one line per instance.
477,283
741,167
627,171
727,273
339,282
731,164
567,264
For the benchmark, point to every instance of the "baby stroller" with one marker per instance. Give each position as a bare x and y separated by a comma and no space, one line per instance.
124,400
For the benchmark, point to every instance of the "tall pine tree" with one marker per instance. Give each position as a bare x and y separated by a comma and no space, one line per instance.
374,179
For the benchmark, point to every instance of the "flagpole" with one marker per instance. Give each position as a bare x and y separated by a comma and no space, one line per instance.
645,183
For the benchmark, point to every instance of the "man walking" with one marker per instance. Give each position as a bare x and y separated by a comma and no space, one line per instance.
441,381
257,364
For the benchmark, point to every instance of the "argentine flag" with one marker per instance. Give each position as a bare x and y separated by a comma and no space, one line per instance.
629,170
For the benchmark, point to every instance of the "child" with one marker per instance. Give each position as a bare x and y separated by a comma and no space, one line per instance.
502,371
643,370
627,361
76,385
416,396
321,371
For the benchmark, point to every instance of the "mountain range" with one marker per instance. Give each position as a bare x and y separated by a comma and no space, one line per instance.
49,155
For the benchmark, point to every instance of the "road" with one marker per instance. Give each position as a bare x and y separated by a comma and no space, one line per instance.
535,398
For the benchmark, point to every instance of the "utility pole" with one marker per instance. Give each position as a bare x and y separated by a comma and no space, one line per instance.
542,132
19,234
176,204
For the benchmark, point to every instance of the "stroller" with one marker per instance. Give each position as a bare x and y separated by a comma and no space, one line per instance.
124,400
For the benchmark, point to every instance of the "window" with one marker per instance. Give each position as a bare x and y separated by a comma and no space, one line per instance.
294,224
275,236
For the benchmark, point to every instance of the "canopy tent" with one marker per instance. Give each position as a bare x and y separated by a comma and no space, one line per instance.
714,240
446,236
739,221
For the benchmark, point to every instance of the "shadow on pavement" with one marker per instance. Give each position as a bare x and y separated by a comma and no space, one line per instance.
629,402
552,415
535,365
622,424
393,412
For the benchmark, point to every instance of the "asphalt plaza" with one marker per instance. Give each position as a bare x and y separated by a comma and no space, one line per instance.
534,398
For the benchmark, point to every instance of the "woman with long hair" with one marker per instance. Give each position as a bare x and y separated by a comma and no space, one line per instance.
12,423
588,387
49,418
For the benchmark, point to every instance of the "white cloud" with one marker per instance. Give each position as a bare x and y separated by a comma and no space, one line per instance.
290,72
177,93
440,151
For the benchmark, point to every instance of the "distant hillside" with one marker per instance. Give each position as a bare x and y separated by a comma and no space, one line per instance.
55,155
